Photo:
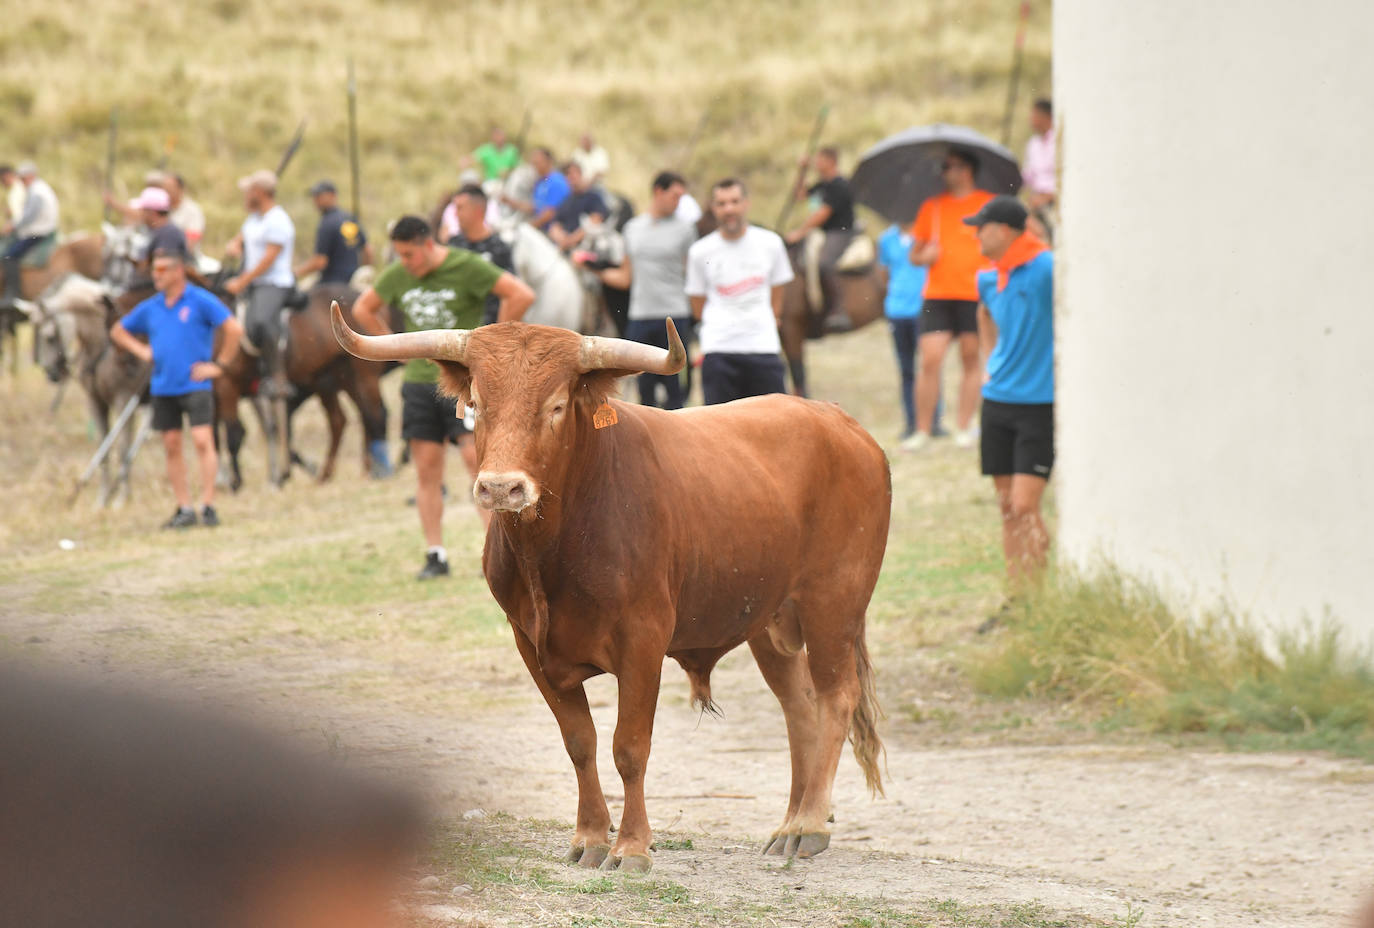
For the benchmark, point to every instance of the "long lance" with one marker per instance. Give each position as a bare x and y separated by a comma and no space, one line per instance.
690,149
291,149
524,131
169,145
103,451
1015,82
353,164
810,153
110,157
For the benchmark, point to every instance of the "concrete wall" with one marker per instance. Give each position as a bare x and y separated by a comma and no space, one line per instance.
1216,299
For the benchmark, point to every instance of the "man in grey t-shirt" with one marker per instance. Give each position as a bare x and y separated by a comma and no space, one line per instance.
655,271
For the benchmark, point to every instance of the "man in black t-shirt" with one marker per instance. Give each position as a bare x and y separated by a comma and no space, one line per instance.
827,231
584,200
154,207
340,243
470,206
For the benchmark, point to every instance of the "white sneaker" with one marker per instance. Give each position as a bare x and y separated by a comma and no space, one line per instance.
917,441
965,438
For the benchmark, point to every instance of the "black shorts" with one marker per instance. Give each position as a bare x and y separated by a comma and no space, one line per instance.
198,406
1018,438
426,415
726,376
957,316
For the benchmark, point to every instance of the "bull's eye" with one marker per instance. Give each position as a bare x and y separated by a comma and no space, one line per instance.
558,410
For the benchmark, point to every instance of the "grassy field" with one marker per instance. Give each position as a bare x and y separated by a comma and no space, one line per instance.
223,84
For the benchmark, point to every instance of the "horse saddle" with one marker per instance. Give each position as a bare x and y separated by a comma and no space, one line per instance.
40,254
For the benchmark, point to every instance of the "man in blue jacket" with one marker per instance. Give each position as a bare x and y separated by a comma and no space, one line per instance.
1016,332
180,322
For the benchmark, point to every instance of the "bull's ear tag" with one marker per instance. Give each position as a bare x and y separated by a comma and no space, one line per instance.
605,416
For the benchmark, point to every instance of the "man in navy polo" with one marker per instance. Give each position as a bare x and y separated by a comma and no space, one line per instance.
340,243
1016,335
180,322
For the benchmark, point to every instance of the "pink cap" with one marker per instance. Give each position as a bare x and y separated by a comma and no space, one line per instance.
153,198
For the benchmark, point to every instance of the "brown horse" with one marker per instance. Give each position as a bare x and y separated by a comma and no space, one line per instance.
315,366
860,294
82,254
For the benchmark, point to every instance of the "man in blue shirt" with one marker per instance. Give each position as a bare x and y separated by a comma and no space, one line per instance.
180,322
550,190
1016,335
905,285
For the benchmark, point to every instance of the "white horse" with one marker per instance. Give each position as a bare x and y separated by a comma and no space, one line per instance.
559,297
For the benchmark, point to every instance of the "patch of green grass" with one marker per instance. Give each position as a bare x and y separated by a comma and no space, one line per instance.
1112,644
672,844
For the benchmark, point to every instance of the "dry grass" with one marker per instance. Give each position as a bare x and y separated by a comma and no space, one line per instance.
228,80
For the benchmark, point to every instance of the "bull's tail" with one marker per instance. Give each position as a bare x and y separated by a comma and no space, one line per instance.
863,729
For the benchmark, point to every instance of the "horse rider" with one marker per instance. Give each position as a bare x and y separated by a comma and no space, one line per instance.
827,231
36,224
265,242
584,201
341,245
11,195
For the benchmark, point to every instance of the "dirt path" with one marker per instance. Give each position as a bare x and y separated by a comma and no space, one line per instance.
1191,837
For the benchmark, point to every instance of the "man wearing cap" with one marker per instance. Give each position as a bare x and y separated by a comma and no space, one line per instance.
340,243
34,225
180,322
1016,335
154,207
942,243
435,287
186,213
265,242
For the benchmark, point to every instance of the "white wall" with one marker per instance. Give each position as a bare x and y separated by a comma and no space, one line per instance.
1216,299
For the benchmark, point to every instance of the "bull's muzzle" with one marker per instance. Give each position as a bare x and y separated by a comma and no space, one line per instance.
512,491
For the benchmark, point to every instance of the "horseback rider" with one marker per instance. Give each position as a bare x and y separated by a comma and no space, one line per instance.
827,231
340,243
35,225
265,242
154,206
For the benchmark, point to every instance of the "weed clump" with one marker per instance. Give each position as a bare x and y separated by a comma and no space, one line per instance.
1114,646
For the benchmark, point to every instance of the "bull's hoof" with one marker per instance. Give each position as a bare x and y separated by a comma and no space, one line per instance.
776,846
812,844
589,857
630,863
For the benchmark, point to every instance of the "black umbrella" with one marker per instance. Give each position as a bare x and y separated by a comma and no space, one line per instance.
902,171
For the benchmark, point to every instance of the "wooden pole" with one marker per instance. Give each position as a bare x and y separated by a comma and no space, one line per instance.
1015,82
353,165
810,152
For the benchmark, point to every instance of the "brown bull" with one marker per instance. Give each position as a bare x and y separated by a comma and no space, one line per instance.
625,533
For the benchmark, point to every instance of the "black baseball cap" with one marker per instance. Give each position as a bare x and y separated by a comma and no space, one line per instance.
323,186
1004,209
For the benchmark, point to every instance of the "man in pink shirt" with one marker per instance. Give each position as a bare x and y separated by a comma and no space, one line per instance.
1038,168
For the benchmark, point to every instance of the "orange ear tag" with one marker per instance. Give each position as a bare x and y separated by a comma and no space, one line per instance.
604,417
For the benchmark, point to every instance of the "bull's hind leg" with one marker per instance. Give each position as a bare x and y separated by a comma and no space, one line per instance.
591,841
788,676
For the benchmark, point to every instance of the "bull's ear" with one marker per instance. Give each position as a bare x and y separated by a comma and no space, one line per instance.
455,380
595,386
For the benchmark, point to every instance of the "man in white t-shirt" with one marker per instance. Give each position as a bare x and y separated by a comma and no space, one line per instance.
265,241
735,278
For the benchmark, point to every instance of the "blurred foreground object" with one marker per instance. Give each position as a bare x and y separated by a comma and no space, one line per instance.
120,810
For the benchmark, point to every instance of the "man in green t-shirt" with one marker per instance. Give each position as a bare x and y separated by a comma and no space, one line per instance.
496,157
435,287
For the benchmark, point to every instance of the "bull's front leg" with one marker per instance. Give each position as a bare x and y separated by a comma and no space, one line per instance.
638,683
591,841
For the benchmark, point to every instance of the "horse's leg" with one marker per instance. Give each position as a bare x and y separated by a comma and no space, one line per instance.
365,389
145,428
334,410
100,415
792,331
293,459
264,408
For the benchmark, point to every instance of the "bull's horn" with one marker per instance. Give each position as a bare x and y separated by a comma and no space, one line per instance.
439,344
599,354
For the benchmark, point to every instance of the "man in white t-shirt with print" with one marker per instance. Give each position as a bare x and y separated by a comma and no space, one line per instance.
266,241
735,278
